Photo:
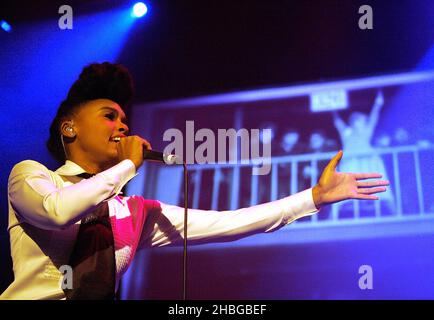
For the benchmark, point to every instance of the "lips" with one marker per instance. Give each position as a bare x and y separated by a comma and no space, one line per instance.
116,138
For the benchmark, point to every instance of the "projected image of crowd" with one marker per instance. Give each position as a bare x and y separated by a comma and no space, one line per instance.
362,123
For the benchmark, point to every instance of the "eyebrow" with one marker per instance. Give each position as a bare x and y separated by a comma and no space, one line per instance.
124,118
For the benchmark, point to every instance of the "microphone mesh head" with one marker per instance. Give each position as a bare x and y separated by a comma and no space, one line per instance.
171,159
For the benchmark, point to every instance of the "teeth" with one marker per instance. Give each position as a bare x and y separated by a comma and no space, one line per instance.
117,139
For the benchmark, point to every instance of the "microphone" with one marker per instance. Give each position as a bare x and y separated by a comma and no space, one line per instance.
153,155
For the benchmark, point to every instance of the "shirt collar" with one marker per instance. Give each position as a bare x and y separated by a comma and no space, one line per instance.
70,169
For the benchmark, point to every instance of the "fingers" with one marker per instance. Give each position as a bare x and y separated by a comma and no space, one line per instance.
146,144
362,176
371,190
375,183
335,160
362,196
131,147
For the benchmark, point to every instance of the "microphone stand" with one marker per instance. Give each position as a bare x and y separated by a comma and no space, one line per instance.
184,264
158,156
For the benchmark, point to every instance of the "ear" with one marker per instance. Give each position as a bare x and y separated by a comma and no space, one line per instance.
67,129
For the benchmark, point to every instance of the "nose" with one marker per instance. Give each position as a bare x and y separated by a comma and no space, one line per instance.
124,128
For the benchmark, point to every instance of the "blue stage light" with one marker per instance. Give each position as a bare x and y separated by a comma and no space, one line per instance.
139,9
5,26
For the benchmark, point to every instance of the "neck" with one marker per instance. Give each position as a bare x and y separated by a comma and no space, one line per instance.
90,166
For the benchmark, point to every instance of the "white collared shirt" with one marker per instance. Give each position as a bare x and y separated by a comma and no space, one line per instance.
45,209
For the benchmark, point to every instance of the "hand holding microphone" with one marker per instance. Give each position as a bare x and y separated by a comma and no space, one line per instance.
138,149
131,147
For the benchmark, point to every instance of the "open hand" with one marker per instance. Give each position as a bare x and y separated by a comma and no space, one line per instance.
337,186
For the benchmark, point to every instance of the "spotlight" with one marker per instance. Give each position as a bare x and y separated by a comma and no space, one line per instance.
5,26
139,9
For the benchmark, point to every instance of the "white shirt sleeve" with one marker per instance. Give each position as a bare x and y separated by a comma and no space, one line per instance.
37,200
165,224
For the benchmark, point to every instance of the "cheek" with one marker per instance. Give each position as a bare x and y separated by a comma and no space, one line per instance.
105,130
98,136
94,127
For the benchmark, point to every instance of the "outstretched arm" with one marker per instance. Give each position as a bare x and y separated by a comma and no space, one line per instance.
165,223
165,226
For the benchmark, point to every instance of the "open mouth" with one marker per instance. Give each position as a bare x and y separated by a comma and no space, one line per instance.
115,139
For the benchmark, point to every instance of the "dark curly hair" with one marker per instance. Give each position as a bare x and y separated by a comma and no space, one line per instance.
96,81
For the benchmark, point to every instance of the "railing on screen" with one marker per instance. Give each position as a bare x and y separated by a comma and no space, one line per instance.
396,166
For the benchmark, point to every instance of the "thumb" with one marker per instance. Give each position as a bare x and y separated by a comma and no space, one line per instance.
335,161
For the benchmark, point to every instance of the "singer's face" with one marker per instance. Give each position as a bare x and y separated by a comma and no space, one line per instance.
96,123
